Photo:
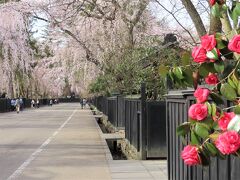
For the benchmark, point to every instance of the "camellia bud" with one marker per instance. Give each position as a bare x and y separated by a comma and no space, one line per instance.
213,54
234,124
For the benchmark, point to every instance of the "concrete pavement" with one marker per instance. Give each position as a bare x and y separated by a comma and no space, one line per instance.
63,142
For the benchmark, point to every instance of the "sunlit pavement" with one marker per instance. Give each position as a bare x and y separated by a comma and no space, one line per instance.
63,142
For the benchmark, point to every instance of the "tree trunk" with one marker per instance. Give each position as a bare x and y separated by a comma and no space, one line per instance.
11,86
197,21
129,36
215,25
227,28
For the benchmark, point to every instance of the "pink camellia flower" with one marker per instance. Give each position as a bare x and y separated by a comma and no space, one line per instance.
212,2
234,44
208,42
225,119
198,112
211,79
201,94
199,54
228,142
190,155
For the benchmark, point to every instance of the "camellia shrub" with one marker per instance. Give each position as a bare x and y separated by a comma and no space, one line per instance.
214,118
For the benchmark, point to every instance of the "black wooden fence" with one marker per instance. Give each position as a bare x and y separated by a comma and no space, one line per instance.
177,107
156,125
69,100
5,105
133,122
144,122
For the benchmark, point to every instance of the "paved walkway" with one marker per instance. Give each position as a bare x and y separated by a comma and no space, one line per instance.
63,142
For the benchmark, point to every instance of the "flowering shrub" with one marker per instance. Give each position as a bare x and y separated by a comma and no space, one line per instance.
213,127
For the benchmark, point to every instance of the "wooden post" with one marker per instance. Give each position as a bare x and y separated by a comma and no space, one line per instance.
143,123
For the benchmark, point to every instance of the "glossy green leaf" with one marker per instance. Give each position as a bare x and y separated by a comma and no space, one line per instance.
235,18
220,44
194,138
201,130
208,122
228,92
219,66
211,148
235,14
215,10
214,109
205,68
204,155
215,126
188,76
237,8
214,136
238,89
178,73
235,80
209,108
231,83
237,109
183,129
216,98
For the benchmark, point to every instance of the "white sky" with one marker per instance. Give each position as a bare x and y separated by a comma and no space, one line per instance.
181,14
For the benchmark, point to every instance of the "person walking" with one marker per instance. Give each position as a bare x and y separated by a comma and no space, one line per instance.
13,103
84,102
81,103
21,103
37,103
17,105
50,102
32,103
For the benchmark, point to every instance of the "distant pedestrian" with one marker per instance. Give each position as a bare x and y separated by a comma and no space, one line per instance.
21,103
84,102
13,103
81,103
17,105
51,102
32,103
37,103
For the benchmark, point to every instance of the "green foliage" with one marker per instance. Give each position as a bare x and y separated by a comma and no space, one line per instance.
100,86
125,70
183,129
228,92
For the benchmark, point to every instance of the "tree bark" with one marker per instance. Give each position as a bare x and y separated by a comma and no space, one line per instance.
227,28
197,21
215,25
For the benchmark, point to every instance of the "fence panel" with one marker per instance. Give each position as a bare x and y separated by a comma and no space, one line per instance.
132,121
112,110
5,105
120,112
69,100
156,129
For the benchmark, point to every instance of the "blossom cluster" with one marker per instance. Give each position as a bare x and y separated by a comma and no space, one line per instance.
202,113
